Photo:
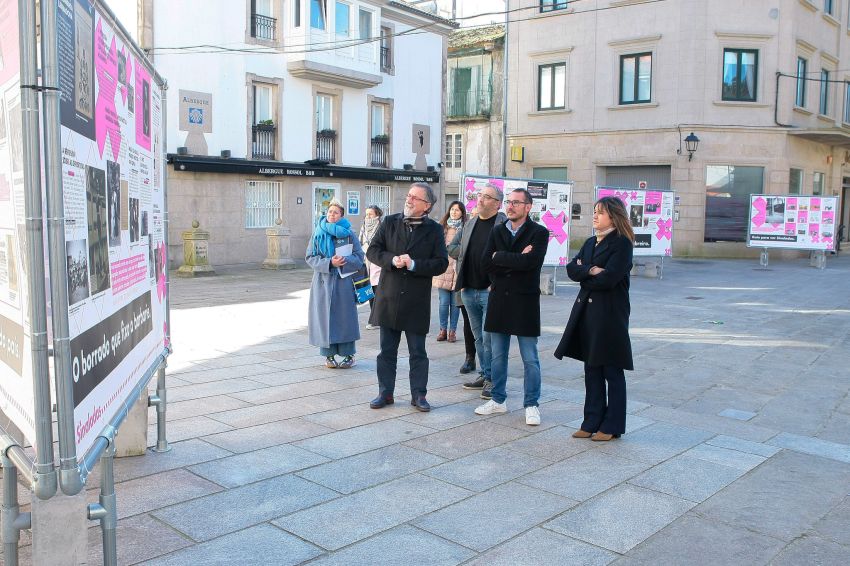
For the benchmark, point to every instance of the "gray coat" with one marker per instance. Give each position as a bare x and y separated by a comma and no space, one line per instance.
458,247
332,318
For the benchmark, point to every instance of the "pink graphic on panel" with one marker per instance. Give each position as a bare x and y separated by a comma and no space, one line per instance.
665,228
791,203
562,261
10,62
760,216
802,217
471,190
790,228
828,217
814,204
606,193
143,107
106,115
653,203
555,224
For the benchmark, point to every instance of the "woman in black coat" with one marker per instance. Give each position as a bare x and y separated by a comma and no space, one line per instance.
598,330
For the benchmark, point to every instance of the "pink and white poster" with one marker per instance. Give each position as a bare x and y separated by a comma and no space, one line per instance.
651,216
796,222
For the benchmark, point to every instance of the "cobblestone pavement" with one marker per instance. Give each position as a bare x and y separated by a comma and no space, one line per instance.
737,450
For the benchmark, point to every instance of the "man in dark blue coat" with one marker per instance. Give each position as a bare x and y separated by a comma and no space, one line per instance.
513,258
411,249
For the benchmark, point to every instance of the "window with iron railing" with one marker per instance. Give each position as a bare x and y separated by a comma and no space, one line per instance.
469,103
263,203
263,25
326,145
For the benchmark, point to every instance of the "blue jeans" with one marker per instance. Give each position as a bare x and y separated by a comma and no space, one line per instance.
500,344
341,349
475,302
449,311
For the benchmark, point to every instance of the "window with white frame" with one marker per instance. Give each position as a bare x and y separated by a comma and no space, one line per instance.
552,86
263,108
378,195
318,14
379,113
817,183
263,203
343,20
454,151
365,24
802,66
324,112
823,106
829,7
795,181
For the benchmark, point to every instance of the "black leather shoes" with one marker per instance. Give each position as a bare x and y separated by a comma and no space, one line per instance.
468,365
381,401
421,404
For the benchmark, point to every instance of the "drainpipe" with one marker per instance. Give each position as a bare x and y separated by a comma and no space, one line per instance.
505,98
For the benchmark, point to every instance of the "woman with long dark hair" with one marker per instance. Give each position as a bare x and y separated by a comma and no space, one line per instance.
334,254
598,330
452,221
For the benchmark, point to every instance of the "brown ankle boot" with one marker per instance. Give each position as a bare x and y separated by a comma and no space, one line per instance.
441,337
452,336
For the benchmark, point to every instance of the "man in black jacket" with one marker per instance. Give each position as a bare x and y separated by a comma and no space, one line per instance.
513,258
410,248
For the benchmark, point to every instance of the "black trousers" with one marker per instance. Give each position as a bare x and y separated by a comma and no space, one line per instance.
604,412
388,361
468,336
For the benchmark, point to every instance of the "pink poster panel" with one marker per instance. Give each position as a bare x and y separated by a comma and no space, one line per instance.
143,107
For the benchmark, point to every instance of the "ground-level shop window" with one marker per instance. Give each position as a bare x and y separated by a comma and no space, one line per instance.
262,203
727,200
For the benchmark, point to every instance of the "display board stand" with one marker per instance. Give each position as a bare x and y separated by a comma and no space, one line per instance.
817,258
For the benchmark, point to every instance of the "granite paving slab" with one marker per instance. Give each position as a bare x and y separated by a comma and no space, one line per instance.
199,407
272,394
133,538
351,518
833,525
184,429
258,465
370,468
570,477
812,551
814,446
449,416
621,518
552,444
466,439
713,423
201,374
363,438
232,510
185,453
482,470
655,443
261,544
152,492
633,423
688,478
552,413
494,516
261,414
740,445
725,456
213,388
252,438
400,546
541,546
359,414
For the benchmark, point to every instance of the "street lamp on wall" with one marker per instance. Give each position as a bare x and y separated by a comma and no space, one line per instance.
691,144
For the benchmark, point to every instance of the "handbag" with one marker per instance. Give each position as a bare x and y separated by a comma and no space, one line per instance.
363,291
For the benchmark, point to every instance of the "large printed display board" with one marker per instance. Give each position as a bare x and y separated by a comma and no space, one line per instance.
112,179
792,221
552,203
651,216
16,378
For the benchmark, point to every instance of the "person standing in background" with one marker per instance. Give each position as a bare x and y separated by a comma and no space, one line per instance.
371,221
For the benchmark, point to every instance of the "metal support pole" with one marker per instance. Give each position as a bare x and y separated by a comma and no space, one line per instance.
158,401
106,511
661,269
44,482
764,258
69,470
12,520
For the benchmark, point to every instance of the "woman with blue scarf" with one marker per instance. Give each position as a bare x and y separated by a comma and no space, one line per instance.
334,254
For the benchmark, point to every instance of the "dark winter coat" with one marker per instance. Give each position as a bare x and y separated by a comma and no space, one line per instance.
598,329
459,247
403,299
514,304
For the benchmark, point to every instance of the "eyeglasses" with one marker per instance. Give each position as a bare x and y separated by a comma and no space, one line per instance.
485,195
414,197
516,202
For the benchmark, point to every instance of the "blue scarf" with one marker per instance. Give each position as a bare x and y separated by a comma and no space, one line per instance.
325,234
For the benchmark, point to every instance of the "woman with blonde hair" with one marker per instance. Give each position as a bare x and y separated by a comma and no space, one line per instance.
334,254
598,329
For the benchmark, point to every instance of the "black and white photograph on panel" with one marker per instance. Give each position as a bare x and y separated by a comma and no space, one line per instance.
113,194
636,215
151,252
143,227
12,263
78,270
775,209
16,137
134,220
146,108
122,68
98,244
131,99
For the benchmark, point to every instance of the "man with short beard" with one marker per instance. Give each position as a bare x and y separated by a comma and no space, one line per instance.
410,250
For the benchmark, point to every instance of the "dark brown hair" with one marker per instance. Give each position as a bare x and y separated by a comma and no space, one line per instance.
616,209
445,217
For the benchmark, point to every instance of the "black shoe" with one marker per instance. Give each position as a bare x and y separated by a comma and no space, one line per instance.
468,366
381,401
477,384
487,392
421,404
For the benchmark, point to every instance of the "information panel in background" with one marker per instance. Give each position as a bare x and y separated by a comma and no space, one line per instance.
552,203
16,377
651,216
792,221
112,181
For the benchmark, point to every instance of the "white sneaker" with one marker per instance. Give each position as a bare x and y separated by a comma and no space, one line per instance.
491,408
370,327
532,416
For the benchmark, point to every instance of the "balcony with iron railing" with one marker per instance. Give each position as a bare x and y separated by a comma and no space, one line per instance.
469,104
326,145
379,152
263,27
263,138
